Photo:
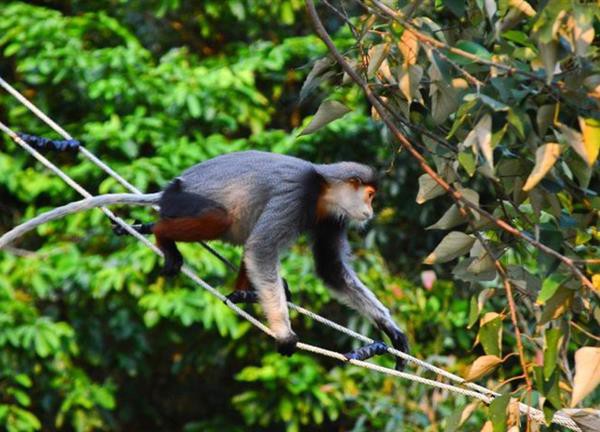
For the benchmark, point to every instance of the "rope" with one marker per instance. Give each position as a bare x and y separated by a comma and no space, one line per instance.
91,156
475,391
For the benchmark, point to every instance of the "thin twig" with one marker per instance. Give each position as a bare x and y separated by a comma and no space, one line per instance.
584,331
511,304
396,16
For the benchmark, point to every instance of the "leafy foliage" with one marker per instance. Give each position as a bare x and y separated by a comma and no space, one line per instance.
504,105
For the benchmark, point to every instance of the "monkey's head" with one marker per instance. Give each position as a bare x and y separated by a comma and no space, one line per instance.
348,191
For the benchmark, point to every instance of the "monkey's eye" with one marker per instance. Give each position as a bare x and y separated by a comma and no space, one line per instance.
355,181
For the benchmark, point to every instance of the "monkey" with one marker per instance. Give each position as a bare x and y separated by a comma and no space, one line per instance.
264,202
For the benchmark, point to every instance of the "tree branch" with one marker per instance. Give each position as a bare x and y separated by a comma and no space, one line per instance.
455,194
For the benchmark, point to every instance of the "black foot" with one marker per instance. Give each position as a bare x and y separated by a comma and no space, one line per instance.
172,266
286,288
368,351
42,143
243,296
287,346
250,296
400,342
398,338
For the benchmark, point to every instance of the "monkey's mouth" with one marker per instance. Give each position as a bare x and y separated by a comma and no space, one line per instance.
361,219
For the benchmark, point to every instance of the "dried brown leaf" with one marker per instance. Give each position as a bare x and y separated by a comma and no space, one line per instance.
409,47
482,366
587,373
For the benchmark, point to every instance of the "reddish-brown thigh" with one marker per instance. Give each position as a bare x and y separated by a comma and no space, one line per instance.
242,282
209,225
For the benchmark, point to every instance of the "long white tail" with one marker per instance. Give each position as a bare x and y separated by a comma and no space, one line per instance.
77,206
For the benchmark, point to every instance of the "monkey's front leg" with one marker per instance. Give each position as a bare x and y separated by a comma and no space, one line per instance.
262,268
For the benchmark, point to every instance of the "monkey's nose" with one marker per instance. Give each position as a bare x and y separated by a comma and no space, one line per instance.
367,214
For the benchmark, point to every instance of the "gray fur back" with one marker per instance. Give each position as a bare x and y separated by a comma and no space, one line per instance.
244,182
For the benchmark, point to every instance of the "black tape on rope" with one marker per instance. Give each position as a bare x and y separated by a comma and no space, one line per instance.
41,143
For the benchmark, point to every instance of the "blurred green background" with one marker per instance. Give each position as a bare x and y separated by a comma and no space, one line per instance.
91,336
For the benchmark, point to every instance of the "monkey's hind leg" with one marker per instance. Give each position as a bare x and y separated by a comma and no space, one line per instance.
209,224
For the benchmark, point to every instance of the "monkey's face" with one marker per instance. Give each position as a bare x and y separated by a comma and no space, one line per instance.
350,199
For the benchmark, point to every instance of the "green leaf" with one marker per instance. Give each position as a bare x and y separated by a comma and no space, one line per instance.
490,334
552,339
453,421
23,380
498,414
20,396
557,305
327,112
518,37
428,189
467,161
493,103
453,245
473,312
515,118
548,387
549,287
193,104
470,47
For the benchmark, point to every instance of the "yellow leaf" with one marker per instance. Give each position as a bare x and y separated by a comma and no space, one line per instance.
523,7
591,138
545,157
409,47
587,373
452,246
488,427
576,141
596,281
489,316
409,78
